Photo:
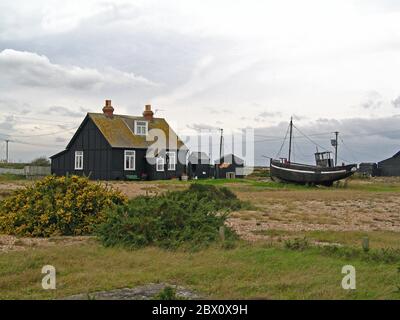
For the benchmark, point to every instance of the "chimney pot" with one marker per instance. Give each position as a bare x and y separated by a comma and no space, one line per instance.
108,110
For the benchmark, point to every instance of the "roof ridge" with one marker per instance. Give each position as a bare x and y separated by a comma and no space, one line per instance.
124,115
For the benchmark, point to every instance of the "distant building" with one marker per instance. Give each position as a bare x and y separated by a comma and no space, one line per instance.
229,167
199,166
390,167
368,169
109,146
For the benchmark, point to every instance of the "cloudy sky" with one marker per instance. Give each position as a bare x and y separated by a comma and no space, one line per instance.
204,64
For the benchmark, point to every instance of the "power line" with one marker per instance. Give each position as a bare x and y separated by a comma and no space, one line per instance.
37,135
308,138
50,121
283,143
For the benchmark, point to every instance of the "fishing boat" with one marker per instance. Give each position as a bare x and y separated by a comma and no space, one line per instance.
325,172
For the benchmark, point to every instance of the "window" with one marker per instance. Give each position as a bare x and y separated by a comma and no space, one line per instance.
141,128
129,160
160,164
171,156
78,160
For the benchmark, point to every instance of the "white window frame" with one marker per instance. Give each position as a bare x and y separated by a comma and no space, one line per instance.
140,133
130,154
78,160
160,162
171,165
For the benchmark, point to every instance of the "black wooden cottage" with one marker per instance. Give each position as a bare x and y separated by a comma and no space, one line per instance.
229,167
199,166
390,167
108,146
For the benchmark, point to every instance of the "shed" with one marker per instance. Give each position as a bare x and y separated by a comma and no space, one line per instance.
368,169
199,165
229,167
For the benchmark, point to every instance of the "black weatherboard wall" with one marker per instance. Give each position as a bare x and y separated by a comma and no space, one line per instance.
199,165
390,167
98,154
228,165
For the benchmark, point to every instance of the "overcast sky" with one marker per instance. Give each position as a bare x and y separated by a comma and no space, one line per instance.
333,65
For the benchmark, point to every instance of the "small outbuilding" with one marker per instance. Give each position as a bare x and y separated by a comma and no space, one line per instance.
199,166
229,167
369,169
390,167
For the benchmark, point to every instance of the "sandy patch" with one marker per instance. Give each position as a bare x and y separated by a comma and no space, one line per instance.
333,213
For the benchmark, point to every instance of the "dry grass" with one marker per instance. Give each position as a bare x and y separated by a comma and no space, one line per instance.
245,272
257,269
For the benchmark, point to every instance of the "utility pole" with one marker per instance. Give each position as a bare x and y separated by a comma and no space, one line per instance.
220,143
290,138
7,141
336,146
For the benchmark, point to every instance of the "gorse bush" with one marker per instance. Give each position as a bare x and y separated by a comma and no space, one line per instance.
181,218
57,206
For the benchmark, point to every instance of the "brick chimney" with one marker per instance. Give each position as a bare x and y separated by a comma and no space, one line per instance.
147,113
108,110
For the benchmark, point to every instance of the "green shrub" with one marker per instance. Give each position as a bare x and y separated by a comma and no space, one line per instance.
191,217
298,244
57,206
168,293
383,255
41,162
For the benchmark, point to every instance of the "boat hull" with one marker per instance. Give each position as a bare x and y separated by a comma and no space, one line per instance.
306,174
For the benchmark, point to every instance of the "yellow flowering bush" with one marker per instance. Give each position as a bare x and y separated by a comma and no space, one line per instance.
57,206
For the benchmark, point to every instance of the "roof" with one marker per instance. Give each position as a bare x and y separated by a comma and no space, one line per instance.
230,158
199,157
119,130
397,155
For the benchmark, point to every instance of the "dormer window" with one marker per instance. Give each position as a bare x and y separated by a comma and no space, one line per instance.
141,127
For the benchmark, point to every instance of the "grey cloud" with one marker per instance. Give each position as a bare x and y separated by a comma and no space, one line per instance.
30,69
372,101
62,111
202,126
269,114
60,140
8,123
371,104
396,102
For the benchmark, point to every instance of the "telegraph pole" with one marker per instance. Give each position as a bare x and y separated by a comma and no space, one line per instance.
336,146
220,143
7,141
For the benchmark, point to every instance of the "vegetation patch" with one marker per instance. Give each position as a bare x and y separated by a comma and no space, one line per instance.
57,206
11,177
194,218
9,165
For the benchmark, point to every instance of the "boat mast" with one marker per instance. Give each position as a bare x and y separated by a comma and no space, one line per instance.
290,138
